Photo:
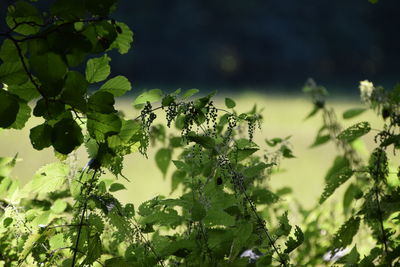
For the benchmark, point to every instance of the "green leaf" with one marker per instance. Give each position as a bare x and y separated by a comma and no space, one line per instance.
23,12
229,103
101,102
74,90
59,206
320,140
47,179
153,95
51,70
94,250
26,91
334,182
291,243
163,159
351,259
352,193
129,129
102,125
189,93
9,109
117,86
264,196
68,9
344,236
255,169
66,136
41,136
24,113
9,52
7,222
284,225
203,140
198,212
124,39
351,113
117,187
12,73
57,241
355,131
97,69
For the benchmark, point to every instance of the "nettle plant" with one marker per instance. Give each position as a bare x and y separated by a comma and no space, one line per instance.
371,201
57,61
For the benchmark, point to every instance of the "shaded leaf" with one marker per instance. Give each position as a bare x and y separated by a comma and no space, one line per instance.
153,95
117,187
163,159
291,243
344,236
40,136
66,136
9,109
229,103
189,93
355,131
124,38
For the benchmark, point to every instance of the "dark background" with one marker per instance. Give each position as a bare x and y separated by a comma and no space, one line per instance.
259,44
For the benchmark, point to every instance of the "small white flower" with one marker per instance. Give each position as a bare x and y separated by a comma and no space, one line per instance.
366,89
248,253
335,255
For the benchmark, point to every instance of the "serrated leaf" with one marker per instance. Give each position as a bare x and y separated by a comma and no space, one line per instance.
23,12
117,86
284,225
334,182
57,241
59,206
291,243
354,112
47,179
163,159
97,69
153,95
355,131
74,91
66,136
344,236
189,93
229,103
117,187
9,109
124,39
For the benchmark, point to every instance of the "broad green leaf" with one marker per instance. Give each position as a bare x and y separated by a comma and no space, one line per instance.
163,159
344,236
117,187
101,102
22,12
254,170
284,225
203,140
8,51
117,86
177,178
41,136
340,164
189,93
124,39
7,222
153,95
291,243
24,113
101,125
354,132
59,206
58,241
198,211
74,90
129,128
66,136
95,250
51,69
216,217
264,196
354,112
26,91
12,73
97,69
9,109
48,179
352,193
229,103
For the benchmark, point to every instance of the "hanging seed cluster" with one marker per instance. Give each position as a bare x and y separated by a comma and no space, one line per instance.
211,116
190,115
171,113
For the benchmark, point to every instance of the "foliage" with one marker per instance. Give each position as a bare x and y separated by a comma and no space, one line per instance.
225,214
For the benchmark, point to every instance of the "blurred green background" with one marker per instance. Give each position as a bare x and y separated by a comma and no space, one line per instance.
283,116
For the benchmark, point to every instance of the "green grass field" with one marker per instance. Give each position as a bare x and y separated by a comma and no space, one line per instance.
283,116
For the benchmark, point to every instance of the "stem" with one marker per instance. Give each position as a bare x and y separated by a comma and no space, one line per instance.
81,222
